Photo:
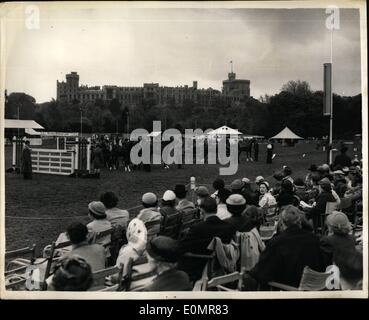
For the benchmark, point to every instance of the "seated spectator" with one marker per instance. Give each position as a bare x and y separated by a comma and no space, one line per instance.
164,252
301,190
287,254
350,265
258,180
340,183
287,174
94,254
218,184
267,200
222,196
150,211
202,192
115,215
99,224
72,273
286,195
308,179
339,228
323,170
200,235
342,159
250,196
135,249
168,204
183,203
236,205
254,217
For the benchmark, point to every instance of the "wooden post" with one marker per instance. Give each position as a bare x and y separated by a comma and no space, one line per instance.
76,155
88,155
14,159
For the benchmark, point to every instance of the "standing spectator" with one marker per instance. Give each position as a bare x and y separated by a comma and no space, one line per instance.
218,184
115,215
342,159
126,153
150,211
72,274
250,196
287,174
202,192
97,160
94,254
248,148
269,156
164,253
27,161
256,150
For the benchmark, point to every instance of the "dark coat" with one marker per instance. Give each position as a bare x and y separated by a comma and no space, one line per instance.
331,244
197,240
343,160
170,280
286,255
98,158
241,223
26,160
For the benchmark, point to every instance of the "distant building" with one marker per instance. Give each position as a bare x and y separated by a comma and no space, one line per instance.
233,91
236,89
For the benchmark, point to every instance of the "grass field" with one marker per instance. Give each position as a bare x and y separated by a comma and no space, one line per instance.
38,210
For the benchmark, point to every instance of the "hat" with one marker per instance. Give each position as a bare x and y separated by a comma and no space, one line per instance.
325,167
338,172
264,182
313,167
246,180
180,190
223,194
169,195
291,215
97,208
287,170
237,184
163,248
345,170
325,184
202,191
258,179
149,198
339,222
209,205
236,200
299,182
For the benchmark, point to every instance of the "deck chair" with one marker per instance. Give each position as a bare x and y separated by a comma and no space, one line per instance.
15,283
52,259
99,277
126,280
19,265
153,229
268,230
189,218
221,281
170,225
100,235
311,280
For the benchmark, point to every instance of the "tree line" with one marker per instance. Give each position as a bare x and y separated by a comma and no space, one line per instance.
295,106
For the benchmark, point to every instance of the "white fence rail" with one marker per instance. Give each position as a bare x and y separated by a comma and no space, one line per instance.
53,161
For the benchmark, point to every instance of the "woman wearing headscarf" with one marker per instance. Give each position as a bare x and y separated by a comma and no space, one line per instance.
135,249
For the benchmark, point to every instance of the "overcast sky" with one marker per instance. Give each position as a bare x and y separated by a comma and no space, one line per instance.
128,47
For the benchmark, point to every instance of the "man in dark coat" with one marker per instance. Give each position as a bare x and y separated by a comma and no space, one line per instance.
287,254
164,252
27,161
200,235
342,159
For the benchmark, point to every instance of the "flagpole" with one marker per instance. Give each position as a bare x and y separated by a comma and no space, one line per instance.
331,107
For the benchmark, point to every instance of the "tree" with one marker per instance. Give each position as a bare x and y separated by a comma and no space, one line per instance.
24,103
298,87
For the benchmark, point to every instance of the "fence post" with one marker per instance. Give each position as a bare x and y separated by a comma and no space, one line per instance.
14,160
193,187
76,157
88,155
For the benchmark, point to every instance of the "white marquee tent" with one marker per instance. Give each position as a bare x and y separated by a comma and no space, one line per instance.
286,133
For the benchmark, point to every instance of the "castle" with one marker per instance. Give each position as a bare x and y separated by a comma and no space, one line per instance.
235,91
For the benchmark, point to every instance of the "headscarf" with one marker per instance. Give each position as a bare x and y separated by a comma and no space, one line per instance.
137,235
